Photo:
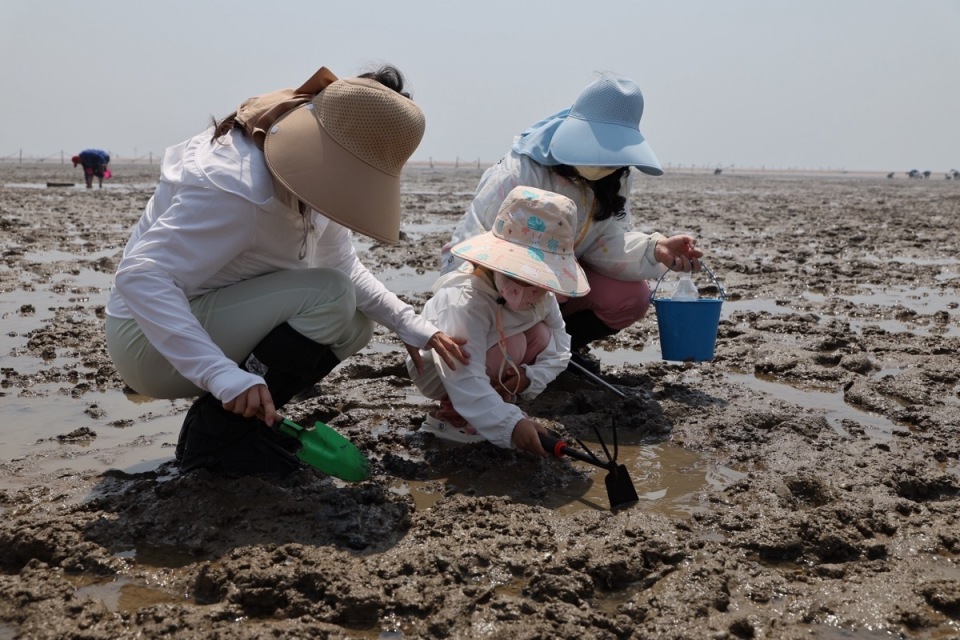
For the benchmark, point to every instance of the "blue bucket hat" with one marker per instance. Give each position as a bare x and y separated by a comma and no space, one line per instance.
601,129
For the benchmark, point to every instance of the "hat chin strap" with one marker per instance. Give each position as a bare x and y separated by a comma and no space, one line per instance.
502,343
290,199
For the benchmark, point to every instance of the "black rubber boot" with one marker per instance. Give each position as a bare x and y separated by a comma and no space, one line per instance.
583,328
221,441
290,362
231,445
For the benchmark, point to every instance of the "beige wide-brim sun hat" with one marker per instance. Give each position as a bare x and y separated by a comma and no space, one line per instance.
532,241
342,154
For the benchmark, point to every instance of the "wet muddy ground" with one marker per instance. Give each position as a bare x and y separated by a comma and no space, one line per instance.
802,484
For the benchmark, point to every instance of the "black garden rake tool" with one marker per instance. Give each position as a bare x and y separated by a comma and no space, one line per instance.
620,490
595,378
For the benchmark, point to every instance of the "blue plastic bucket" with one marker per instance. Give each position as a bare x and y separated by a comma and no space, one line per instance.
688,328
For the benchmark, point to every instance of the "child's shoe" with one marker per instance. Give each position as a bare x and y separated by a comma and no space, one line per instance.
446,431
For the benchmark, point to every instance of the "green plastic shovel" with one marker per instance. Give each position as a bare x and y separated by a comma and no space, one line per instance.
326,450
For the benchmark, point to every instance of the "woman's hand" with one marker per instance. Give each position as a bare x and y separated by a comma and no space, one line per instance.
254,401
447,347
678,253
526,435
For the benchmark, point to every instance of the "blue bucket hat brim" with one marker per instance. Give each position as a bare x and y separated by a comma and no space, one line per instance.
600,129
578,142
559,139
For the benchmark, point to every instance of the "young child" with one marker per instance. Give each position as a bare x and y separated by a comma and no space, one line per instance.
501,300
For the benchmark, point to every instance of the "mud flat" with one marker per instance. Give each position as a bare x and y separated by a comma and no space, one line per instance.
802,484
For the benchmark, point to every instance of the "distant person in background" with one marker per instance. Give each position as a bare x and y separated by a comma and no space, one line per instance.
94,163
585,152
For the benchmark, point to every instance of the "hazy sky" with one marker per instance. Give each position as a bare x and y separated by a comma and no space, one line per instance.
855,84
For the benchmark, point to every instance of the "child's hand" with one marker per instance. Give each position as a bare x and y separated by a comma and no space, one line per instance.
526,435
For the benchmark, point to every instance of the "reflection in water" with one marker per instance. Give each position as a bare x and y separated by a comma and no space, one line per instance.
837,411
120,594
80,186
48,256
668,479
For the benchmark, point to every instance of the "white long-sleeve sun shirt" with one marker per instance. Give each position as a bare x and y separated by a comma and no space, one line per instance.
214,221
465,305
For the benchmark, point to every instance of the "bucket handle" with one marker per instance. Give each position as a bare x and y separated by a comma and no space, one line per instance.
723,293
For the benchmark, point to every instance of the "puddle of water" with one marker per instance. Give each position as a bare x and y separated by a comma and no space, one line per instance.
85,277
48,256
406,279
895,326
23,311
120,595
925,300
830,632
43,185
438,192
382,347
15,321
82,187
927,262
889,326
33,422
835,409
423,228
157,557
946,275
8,631
414,230
888,371
619,357
668,479
755,305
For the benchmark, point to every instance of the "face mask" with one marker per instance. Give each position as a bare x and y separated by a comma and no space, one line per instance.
518,297
595,173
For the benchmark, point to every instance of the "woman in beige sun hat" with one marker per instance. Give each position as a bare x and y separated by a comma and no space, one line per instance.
503,301
240,283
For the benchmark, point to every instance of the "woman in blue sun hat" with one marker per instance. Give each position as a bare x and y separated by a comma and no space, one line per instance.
503,301
586,152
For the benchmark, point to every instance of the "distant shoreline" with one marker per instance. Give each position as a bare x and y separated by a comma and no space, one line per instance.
480,165
739,171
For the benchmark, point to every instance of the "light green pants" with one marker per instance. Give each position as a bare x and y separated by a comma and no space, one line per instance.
318,303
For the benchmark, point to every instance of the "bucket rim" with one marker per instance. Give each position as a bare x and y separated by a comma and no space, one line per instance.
723,292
